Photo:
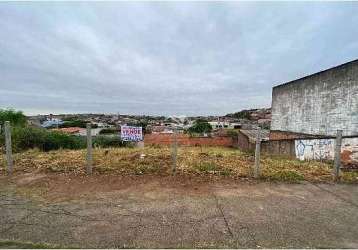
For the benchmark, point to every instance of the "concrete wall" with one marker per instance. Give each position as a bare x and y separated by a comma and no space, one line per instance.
318,104
323,149
281,147
186,140
243,143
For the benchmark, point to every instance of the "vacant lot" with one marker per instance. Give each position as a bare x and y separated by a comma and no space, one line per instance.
191,161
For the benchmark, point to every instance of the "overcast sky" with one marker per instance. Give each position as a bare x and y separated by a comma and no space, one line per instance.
165,58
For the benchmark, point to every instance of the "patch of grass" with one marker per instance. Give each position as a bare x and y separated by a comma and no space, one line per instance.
145,168
206,167
212,168
349,177
12,244
219,155
226,172
287,176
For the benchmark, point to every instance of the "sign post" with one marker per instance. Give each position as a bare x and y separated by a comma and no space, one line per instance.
135,134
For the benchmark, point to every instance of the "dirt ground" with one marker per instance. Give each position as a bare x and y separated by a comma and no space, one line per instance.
106,211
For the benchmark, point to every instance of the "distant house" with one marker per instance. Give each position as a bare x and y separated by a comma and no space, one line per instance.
225,124
218,124
51,123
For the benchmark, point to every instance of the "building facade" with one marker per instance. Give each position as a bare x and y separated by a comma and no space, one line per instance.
318,104
306,114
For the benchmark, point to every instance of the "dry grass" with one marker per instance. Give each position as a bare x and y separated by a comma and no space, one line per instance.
206,161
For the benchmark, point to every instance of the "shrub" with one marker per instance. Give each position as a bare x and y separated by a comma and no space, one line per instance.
57,140
200,126
16,118
27,137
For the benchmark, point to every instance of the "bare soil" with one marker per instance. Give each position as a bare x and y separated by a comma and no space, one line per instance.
151,211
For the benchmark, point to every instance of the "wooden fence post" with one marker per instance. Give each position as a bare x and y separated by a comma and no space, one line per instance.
89,149
257,154
337,155
174,150
8,147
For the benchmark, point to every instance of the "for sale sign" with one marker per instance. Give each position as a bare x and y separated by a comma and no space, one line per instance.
131,133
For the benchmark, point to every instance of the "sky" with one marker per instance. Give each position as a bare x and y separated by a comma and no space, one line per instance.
165,58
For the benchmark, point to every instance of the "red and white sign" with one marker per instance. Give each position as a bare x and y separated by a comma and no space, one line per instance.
131,133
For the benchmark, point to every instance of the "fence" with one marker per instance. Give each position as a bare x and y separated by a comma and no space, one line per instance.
320,148
315,148
340,149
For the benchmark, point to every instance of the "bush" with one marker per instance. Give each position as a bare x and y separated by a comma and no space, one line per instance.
16,118
200,126
57,140
24,138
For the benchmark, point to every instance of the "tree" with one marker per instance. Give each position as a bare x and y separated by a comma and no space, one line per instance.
16,118
200,126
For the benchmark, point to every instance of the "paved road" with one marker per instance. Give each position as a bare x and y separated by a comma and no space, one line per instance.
156,214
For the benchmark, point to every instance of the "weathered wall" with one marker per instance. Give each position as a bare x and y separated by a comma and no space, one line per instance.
243,143
186,140
285,135
323,149
280,147
318,104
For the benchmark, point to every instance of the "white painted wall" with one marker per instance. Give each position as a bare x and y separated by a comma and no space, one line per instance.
323,149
